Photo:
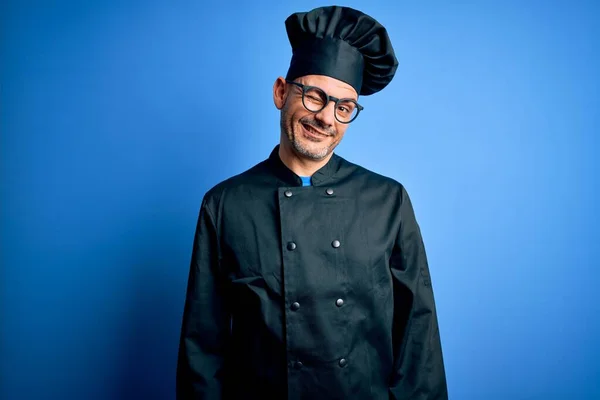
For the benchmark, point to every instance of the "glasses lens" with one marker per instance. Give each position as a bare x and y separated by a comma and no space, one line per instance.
314,99
346,110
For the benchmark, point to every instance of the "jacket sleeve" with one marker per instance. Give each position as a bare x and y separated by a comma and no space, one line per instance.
206,321
419,372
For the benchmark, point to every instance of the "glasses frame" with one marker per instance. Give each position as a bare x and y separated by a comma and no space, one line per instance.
329,98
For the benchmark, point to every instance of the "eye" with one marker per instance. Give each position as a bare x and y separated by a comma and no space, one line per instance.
346,107
315,96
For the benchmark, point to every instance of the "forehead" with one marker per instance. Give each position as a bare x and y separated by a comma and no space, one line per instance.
332,86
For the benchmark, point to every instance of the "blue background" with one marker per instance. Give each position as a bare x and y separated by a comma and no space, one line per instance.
116,117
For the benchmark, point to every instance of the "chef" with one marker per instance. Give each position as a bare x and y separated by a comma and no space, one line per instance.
309,278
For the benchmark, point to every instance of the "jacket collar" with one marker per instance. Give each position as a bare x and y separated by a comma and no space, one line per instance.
320,177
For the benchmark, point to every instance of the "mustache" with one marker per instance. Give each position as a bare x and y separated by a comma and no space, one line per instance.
318,125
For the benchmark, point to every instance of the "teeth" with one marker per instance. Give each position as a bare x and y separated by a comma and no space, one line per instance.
311,129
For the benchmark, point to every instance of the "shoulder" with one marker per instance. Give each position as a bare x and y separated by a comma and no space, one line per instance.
383,193
368,179
251,176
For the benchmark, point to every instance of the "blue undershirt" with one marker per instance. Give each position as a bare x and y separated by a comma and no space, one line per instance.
305,180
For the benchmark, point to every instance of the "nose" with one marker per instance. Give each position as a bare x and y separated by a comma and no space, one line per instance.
326,116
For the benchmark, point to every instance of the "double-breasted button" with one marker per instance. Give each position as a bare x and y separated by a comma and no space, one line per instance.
295,306
298,365
336,243
288,193
291,246
339,302
343,362
329,191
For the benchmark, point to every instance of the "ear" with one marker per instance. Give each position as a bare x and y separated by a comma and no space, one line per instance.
279,92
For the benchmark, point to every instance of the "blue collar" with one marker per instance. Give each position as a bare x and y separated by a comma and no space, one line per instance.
305,180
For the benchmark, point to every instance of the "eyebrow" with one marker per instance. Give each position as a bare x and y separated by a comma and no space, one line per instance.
338,97
349,97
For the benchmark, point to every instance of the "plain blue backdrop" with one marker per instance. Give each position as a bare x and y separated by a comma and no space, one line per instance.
116,117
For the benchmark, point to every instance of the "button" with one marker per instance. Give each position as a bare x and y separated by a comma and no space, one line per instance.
336,243
343,362
339,302
288,193
291,246
298,365
295,306
329,191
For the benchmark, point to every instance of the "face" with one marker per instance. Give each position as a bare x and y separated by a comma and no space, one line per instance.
310,135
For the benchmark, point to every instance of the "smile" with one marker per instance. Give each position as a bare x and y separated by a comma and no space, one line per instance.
313,132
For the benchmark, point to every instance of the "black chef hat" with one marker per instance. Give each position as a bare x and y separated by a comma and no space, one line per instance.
341,43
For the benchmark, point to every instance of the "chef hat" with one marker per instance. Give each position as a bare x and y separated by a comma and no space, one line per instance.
341,43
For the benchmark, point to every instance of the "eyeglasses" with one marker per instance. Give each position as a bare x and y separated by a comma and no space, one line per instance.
315,99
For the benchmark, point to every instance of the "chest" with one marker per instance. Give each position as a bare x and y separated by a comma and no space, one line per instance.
314,239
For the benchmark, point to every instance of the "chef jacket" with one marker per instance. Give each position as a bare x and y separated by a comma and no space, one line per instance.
309,292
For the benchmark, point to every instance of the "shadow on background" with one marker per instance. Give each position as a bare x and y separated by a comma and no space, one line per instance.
149,312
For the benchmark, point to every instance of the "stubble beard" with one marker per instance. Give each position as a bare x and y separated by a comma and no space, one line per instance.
297,143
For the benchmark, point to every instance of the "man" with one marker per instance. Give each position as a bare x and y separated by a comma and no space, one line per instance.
309,278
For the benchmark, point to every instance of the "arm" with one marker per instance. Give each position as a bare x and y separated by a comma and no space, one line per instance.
206,321
419,372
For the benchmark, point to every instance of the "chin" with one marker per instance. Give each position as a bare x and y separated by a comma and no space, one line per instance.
315,154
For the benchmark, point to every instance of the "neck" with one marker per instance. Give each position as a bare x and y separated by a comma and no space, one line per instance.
301,166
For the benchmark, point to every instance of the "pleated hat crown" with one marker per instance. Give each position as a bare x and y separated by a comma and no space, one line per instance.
342,43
